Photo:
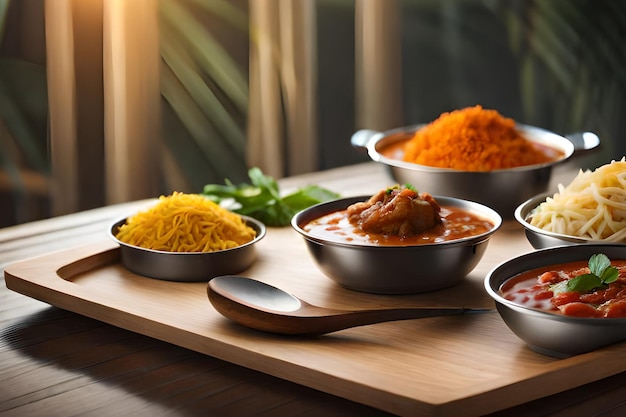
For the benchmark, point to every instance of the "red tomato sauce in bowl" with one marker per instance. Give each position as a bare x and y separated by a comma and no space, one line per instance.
533,289
456,224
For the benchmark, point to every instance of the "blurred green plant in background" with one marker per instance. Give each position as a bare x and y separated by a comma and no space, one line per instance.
23,112
572,59
205,86
24,165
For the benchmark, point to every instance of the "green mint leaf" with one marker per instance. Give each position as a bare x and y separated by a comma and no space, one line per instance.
247,196
319,193
308,196
262,199
219,190
265,182
275,214
601,274
583,283
609,275
598,263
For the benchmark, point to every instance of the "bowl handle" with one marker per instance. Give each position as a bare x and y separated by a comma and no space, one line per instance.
361,138
583,141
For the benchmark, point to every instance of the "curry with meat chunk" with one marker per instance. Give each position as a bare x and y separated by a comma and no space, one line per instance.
398,216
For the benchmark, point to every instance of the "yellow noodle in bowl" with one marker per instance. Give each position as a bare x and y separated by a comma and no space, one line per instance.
186,238
186,223
592,206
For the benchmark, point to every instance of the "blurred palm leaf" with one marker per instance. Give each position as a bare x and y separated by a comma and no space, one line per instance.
572,59
206,90
4,8
23,114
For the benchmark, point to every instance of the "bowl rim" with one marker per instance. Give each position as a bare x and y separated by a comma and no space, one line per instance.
536,134
257,225
499,299
343,203
525,209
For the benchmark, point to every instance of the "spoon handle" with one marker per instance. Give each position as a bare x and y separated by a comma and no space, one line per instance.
344,320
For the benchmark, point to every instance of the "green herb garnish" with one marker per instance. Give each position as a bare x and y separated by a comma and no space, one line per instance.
262,199
601,274
390,189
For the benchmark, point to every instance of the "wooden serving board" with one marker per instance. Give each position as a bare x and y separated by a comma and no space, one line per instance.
459,365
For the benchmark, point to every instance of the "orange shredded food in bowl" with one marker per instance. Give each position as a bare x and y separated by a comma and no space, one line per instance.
472,139
185,223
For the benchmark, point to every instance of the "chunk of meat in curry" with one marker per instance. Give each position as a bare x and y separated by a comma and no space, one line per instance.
396,211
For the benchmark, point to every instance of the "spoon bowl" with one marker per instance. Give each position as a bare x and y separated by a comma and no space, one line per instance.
264,307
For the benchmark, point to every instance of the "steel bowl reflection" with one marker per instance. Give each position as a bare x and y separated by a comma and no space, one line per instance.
539,238
395,269
188,266
548,333
502,189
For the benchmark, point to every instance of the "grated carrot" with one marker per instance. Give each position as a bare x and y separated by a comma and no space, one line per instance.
472,139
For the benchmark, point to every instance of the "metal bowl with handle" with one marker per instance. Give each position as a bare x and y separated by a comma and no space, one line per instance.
502,189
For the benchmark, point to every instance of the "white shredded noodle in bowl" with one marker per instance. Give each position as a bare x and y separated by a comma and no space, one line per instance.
592,206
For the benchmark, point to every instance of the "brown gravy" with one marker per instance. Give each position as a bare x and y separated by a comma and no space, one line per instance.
457,224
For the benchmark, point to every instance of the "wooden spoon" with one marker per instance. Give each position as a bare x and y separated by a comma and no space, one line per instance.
261,306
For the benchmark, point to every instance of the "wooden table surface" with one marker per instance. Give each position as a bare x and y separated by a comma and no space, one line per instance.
57,363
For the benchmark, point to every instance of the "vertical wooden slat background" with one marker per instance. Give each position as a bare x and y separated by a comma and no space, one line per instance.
299,68
282,133
265,107
103,79
131,98
378,64
62,106
110,83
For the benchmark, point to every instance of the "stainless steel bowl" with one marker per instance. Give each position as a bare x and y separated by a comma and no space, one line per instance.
503,190
549,333
395,269
188,266
539,238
